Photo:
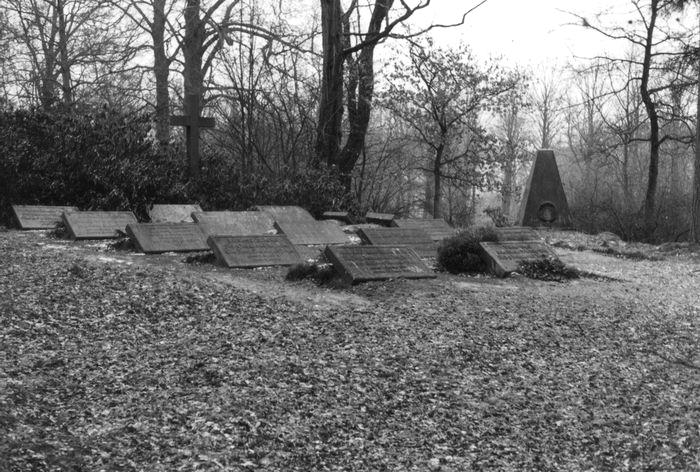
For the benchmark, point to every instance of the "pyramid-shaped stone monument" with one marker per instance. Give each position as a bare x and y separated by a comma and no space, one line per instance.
544,202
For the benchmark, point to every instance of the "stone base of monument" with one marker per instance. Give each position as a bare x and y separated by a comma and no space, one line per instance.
505,257
357,264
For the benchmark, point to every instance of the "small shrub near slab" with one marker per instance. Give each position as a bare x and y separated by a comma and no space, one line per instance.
462,253
548,269
322,274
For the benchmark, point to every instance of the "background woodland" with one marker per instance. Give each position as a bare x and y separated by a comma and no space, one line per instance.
336,104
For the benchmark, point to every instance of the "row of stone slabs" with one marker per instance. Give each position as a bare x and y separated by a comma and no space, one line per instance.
393,252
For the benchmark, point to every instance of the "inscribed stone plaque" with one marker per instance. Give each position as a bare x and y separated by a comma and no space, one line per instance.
516,233
314,232
254,251
364,263
379,218
504,257
283,214
343,216
234,223
153,238
39,216
172,213
544,202
437,228
415,238
97,224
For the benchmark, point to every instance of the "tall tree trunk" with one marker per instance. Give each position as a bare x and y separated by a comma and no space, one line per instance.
194,77
66,87
161,71
654,144
437,180
695,212
330,110
508,184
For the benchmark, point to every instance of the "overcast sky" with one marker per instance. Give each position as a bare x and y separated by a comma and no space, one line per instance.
529,31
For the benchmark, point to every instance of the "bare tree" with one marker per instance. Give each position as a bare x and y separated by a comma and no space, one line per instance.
440,94
350,45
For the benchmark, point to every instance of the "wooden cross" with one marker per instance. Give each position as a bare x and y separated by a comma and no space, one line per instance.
192,123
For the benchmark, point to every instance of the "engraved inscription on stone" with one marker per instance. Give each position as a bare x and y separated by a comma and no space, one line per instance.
365,263
39,216
172,213
415,238
310,233
253,251
286,213
97,224
234,223
516,233
504,257
437,228
153,238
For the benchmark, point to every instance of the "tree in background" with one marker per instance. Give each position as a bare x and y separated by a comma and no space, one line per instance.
67,47
349,41
655,41
441,94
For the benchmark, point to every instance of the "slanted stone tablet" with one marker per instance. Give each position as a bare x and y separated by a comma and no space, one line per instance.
516,233
285,213
39,216
505,257
415,238
154,238
314,232
437,228
172,213
253,251
365,263
234,223
379,218
97,224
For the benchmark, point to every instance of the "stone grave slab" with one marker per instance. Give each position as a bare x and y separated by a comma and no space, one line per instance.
437,228
254,251
504,257
415,238
365,263
379,218
97,224
516,233
544,201
172,213
285,213
234,223
154,238
314,232
343,216
39,216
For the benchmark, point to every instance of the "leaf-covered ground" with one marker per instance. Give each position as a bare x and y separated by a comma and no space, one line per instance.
113,361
